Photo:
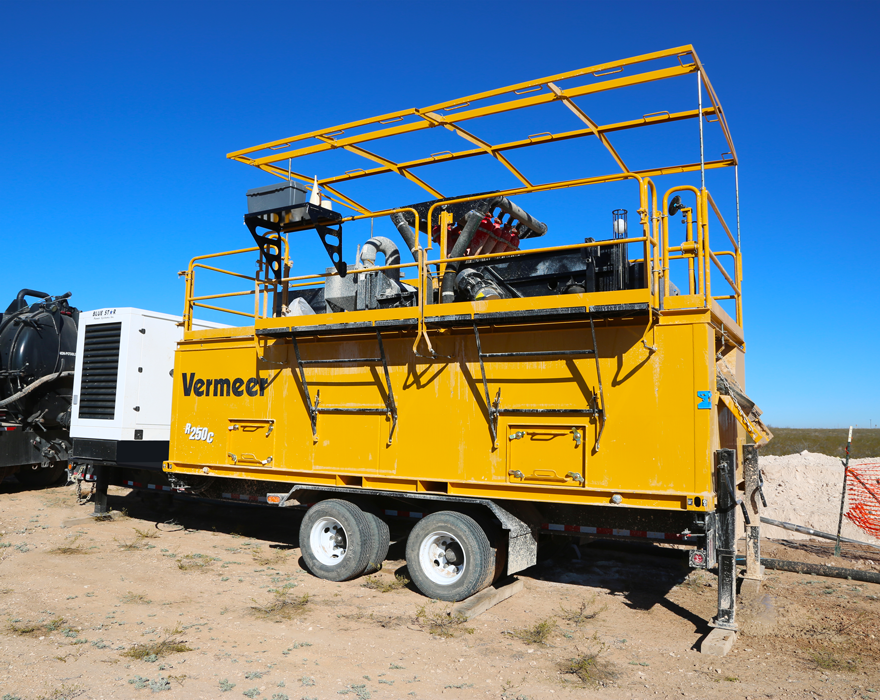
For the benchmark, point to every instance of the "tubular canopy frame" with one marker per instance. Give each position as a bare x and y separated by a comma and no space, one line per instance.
275,157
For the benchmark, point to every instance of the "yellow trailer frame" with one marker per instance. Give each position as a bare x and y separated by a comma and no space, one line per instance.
604,401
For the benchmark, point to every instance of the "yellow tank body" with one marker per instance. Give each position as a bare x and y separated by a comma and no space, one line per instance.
656,449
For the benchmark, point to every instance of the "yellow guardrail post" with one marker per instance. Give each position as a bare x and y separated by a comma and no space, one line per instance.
706,262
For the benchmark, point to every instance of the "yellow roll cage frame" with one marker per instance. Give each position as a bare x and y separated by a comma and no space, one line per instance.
451,115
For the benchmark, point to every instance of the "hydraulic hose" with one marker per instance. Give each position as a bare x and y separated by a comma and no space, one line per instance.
30,387
799,567
813,533
30,293
406,233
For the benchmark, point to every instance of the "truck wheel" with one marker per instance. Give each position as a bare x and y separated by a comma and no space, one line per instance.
449,557
336,540
36,477
382,539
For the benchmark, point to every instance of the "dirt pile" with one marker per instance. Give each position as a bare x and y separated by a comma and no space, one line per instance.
805,489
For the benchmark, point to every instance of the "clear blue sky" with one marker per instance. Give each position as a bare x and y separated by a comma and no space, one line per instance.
116,118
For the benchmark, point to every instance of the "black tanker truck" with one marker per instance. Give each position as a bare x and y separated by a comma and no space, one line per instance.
37,359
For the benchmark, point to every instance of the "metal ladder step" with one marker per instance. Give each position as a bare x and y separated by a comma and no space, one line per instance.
494,407
538,353
315,408
340,361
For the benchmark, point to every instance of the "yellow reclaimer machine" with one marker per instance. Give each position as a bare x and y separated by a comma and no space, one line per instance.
484,387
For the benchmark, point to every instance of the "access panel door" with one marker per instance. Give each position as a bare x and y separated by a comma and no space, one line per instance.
552,455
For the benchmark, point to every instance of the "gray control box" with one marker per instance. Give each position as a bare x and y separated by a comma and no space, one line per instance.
284,194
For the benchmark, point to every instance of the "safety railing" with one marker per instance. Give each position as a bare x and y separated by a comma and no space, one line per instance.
657,254
695,249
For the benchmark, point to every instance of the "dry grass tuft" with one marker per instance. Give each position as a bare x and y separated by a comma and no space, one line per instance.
584,613
375,583
163,647
442,623
71,547
64,692
386,621
538,633
834,660
195,562
589,668
135,598
283,605
32,628
146,534
269,558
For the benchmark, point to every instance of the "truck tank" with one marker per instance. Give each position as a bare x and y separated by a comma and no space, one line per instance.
37,359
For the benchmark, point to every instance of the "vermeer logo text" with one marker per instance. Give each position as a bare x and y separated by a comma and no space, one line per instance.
223,386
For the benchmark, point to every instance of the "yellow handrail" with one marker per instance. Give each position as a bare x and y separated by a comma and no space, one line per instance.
658,255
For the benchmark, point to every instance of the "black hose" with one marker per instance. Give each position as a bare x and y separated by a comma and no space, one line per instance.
529,227
813,533
19,298
799,567
447,287
406,233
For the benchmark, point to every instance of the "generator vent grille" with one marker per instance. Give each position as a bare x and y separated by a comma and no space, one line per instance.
100,368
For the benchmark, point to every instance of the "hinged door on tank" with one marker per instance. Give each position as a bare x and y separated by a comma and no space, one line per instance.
546,454
250,441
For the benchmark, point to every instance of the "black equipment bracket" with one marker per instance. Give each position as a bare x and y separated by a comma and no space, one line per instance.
299,217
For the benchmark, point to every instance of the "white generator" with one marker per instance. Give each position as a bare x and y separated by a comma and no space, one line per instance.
121,408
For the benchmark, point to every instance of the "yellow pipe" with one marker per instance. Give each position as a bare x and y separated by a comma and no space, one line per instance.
689,237
555,249
723,272
225,272
723,223
219,308
705,261
222,296
654,281
665,218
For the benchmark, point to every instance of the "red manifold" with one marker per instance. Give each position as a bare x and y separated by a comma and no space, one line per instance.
491,237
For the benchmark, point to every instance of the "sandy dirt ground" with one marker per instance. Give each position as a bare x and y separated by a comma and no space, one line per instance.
203,600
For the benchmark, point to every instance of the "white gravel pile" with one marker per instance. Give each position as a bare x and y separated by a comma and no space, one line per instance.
804,489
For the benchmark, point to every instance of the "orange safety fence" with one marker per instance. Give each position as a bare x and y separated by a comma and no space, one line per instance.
863,494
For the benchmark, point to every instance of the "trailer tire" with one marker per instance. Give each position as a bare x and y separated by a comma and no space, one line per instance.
382,539
336,540
37,477
449,557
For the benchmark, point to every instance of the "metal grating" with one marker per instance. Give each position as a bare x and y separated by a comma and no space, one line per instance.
100,369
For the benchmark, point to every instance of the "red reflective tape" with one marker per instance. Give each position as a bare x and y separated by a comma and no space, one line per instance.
572,528
604,531
638,533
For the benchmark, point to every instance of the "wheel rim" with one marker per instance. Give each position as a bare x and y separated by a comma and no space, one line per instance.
442,558
328,541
